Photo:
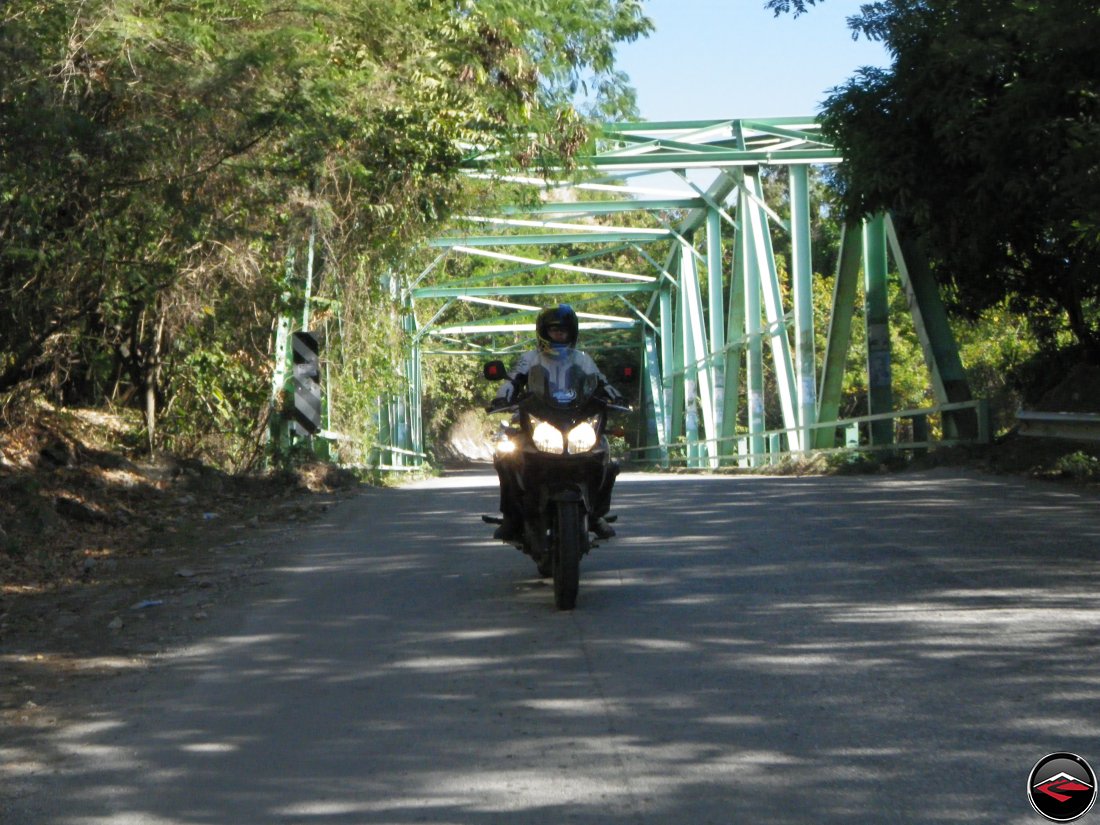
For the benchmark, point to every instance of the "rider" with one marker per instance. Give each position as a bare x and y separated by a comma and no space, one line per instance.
556,330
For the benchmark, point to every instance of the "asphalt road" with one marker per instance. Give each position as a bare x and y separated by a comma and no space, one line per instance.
875,649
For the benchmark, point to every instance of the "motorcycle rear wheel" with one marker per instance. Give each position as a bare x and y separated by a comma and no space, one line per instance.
570,536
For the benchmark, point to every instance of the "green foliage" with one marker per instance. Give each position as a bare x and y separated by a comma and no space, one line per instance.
452,385
159,160
1079,466
218,410
996,347
981,138
785,6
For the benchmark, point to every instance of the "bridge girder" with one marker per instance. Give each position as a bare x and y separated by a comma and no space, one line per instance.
697,280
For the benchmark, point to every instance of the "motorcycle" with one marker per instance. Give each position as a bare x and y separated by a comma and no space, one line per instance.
556,448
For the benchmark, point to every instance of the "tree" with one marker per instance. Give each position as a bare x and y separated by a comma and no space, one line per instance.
160,160
981,138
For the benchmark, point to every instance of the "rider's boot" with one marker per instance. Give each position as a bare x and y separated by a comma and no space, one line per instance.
509,530
600,527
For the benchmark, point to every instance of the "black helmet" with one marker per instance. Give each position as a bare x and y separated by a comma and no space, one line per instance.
559,316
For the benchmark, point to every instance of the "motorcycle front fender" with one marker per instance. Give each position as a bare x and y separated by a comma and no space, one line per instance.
569,495
552,494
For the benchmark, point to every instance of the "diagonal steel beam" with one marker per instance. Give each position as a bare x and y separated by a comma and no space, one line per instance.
532,289
557,238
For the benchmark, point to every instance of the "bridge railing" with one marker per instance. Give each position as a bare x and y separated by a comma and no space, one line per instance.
915,430
387,459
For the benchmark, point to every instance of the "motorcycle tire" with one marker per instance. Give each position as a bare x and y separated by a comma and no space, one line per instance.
569,539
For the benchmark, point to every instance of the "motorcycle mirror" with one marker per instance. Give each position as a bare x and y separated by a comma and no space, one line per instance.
495,371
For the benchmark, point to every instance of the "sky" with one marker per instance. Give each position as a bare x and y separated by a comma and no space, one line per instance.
734,59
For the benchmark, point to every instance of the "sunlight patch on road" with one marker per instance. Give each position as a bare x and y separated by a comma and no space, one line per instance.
660,645
488,479
735,720
83,729
700,599
450,664
604,781
576,707
1068,728
210,747
328,808
476,635
794,661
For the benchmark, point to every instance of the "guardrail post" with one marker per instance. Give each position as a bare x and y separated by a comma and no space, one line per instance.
985,421
743,453
920,434
851,436
777,445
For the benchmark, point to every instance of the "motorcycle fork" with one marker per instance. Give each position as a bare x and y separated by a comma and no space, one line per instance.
549,500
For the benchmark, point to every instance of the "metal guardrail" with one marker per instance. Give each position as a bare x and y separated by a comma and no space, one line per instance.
1076,426
920,439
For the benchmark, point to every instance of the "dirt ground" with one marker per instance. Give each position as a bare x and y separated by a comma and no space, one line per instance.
107,560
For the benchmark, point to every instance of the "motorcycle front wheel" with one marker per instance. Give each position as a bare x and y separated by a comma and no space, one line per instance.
570,536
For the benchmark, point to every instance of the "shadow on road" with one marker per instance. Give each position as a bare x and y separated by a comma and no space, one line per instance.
813,650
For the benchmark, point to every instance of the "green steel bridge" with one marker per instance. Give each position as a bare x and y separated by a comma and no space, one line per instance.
670,225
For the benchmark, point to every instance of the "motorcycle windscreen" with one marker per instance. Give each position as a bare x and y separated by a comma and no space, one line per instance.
561,382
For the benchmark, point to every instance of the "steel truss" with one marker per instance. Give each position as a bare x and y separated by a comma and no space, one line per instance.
702,333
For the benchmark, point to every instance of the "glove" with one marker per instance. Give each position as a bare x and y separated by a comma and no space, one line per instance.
612,395
503,398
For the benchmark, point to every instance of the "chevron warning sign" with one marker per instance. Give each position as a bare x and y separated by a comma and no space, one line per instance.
306,418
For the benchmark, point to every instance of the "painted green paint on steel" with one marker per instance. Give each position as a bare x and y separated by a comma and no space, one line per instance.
640,236
840,332
880,395
533,289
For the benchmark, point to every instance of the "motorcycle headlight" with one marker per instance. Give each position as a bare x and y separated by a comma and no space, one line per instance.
582,438
546,437
506,445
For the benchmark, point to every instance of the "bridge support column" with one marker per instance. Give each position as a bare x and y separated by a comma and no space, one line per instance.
697,360
941,352
689,379
716,321
773,307
672,364
802,272
735,332
754,342
840,332
880,394
656,423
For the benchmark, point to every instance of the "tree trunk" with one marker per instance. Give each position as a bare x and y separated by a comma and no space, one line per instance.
1086,334
151,381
